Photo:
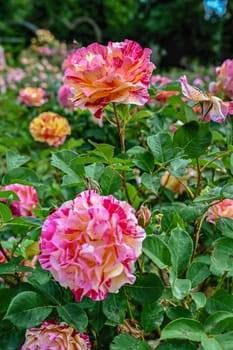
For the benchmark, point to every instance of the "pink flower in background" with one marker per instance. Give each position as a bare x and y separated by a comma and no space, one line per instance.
162,96
211,105
32,96
51,128
224,80
64,96
28,199
90,244
223,209
57,336
119,72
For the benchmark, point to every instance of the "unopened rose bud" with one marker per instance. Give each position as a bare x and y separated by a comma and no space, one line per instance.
143,215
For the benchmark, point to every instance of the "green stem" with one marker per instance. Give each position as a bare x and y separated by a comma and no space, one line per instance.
121,128
198,190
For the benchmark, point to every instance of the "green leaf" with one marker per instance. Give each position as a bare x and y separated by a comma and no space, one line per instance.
104,150
157,250
199,299
9,194
176,344
183,328
142,158
68,162
178,312
227,191
5,213
114,307
181,287
178,168
222,255
219,322
197,273
151,181
220,301
152,316
11,338
14,160
226,340
27,309
210,343
181,248
75,316
193,138
225,226
21,175
147,288
161,147
94,171
109,182
126,341
51,291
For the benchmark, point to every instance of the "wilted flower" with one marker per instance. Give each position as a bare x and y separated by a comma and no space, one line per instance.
53,335
28,199
32,96
224,80
119,72
51,128
212,105
223,209
90,244
64,96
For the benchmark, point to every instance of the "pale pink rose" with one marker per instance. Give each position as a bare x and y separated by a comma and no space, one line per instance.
55,336
224,80
223,209
211,105
50,127
32,96
119,72
64,96
28,199
90,245
161,96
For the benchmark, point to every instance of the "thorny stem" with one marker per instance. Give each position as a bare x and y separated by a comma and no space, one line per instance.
215,158
121,130
198,178
197,234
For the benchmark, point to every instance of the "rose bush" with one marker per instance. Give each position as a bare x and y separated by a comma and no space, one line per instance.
128,244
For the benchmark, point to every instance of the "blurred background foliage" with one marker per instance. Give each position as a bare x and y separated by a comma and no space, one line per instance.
177,30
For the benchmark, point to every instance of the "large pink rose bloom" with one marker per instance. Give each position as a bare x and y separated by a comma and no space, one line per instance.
28,199
223,209
224,80
55,336
119,72
90,244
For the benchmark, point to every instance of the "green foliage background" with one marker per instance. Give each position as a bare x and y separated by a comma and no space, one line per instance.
176,30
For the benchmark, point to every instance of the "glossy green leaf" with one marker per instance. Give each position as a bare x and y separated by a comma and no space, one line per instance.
109,182
21,175
181,248
151,182
199,298
161,147
152,316
176,344
15,160
210,343
226,340
28,309
219,322
227,191
180,288
147,288
114,307
225,225
197,273
5,213
220,301
74,315
193,138
222,254
157,250
183,328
